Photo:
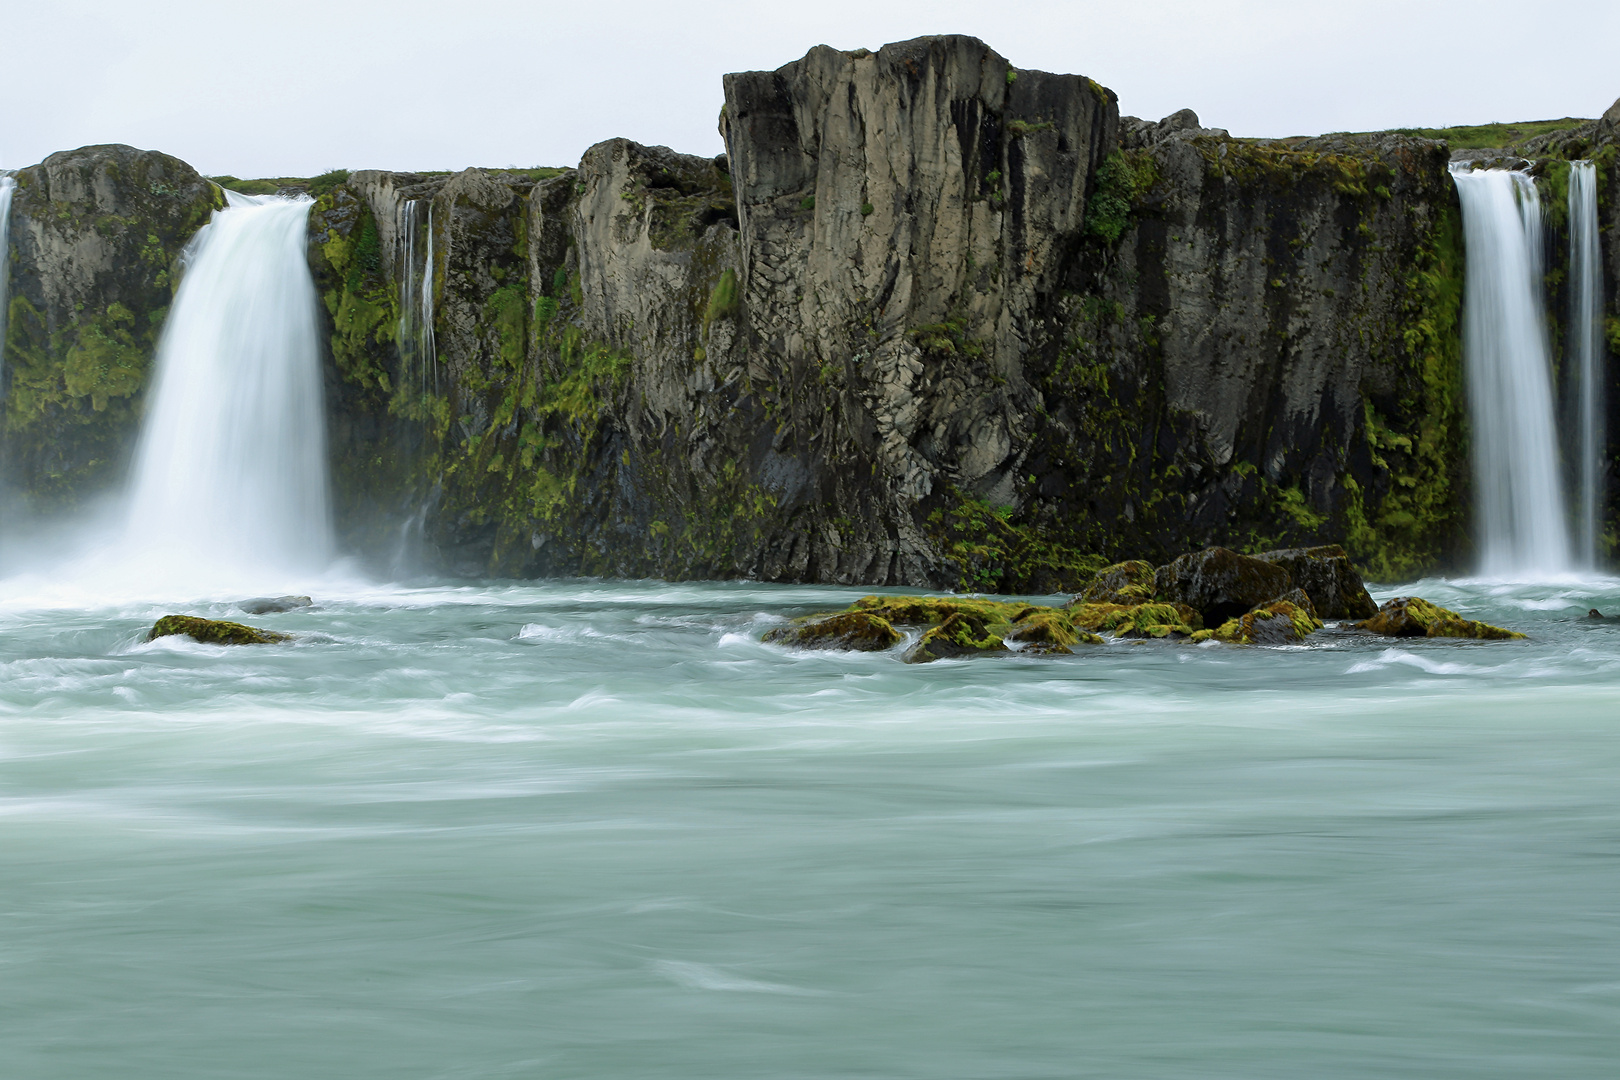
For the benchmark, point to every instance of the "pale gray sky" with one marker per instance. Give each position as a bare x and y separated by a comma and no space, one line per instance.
297,87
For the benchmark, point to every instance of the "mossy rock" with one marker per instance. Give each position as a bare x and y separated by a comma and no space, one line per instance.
213,631
857,631
1411,616
1044,631
1281,622
961,634
933,610
1327,576
1137,620
1220,584
1128,582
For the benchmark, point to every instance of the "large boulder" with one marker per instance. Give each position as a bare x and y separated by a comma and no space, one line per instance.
1220,584
1287,620
1046,631
1328,578
213,631
1123,583
1411,616
858,631
1137,620
962,634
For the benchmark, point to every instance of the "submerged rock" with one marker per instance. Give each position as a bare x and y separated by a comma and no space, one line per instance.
1411,616
1327,576
860,631
268,605
1123,583
1220,584
961,634
213,631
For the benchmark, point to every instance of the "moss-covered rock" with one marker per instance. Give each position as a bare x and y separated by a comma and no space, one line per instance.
1155,620
1411,616
933,610
1327,576
1048,631
213,631
1280,622
1219,583
1128,582
961,634
858,631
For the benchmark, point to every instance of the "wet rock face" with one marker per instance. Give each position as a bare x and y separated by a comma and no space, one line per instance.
1123,583
1220,584
962,634
1285,621
1326,575
96,237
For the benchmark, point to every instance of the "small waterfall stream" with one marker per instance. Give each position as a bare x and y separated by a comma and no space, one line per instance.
1585,356
1523,530
229,479
8,185
416,344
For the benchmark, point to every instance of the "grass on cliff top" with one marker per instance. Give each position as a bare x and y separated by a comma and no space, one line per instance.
1492,136
320,185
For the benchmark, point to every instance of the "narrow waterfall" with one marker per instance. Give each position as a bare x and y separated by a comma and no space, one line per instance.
8,185
1585,353
230,473
416,345
1523,531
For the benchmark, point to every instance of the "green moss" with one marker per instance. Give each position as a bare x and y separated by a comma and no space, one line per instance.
1020,128
1412,616
213,631
859,631
995,553
723,301
1120,183
505,312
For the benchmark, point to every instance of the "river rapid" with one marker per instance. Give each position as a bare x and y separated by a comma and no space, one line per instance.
594,829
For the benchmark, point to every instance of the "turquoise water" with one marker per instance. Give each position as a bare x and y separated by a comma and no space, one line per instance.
586,829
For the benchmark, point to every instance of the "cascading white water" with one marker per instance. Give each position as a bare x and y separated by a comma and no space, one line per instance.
1585,353
230,474
416,343
1523,532
8,186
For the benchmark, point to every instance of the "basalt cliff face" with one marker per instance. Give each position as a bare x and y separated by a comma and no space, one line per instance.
931,320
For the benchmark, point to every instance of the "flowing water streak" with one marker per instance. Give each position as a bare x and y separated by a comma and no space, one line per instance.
8,185
230,474
416,347
428,346
1523,533
1586,352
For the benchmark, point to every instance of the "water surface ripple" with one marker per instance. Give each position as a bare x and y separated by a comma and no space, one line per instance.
588,829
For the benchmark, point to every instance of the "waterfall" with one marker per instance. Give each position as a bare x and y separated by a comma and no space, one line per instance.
1523,532
230,473
8,185
416,344
1585,352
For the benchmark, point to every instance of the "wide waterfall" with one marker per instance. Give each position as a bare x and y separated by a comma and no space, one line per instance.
8,185
230,473
416,343
1585,355
1523,531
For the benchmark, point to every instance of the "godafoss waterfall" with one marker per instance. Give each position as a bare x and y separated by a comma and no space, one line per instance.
833,651
229,479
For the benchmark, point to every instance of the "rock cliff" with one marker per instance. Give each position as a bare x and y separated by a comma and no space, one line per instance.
931,320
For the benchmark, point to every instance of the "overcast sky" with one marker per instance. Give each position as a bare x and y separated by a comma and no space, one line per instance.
295,87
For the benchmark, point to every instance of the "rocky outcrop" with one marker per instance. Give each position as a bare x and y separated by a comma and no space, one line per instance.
1220,584
96,238
1325,575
